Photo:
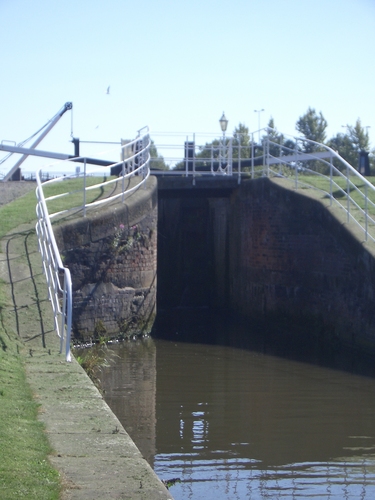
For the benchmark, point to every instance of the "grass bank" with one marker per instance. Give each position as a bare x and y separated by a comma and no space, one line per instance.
22,210
25,471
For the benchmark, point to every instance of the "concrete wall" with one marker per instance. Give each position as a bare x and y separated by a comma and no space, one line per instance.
294,268
112,254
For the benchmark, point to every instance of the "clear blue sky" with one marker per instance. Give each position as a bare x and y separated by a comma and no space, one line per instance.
176,65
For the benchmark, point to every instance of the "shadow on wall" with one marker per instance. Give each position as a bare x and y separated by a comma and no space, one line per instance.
295,279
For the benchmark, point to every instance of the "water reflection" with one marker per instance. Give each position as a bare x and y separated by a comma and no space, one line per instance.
130,391
233,423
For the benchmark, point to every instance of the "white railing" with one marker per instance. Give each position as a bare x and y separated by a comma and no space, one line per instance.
58,277
306,163
134,171
313,165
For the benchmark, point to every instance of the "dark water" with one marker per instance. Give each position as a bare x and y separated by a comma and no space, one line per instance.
238,424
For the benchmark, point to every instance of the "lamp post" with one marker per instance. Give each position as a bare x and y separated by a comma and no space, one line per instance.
259,112
223,125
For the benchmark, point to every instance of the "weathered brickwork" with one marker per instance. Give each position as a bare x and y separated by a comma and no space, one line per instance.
112,258
292,261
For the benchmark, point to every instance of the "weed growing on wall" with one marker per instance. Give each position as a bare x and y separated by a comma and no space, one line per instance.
124,240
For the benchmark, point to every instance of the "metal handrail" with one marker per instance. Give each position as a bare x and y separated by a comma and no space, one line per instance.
295,164
299,166
53,269
58,276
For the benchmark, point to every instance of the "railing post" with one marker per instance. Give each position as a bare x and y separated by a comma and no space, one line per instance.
239,158
144,159
330,179
186,156
230,157
366,213
268,153
123,182
252,155
347,194
296,165
63,316
194,160
84,187
68,312
264,156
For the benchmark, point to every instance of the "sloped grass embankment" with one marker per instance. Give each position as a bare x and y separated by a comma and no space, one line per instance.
25,471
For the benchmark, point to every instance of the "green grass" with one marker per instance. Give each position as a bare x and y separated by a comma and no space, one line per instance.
357,195
356,188
339,189
17,212
22,210
25,471
75,187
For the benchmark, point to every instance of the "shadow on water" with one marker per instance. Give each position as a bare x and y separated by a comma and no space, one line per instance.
290,339
217,405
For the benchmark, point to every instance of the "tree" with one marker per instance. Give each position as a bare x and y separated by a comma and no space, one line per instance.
276,139
157,161
359,136
350,144
313,126
210,149
279,146
213,149
241,138
343,145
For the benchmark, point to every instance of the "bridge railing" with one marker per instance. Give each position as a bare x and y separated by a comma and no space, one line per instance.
76,194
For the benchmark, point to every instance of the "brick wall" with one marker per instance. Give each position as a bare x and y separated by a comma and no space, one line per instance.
112,258
295,267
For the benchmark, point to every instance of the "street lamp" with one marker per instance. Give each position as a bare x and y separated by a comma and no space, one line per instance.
223,125
259,112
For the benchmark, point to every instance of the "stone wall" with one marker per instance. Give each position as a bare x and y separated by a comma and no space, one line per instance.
295,267
271,255
112,258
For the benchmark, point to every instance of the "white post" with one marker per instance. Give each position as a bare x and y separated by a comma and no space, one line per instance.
252,156
366,212
330,179
123,182
239,158
84,187
347,193
194,160
296,166
230,157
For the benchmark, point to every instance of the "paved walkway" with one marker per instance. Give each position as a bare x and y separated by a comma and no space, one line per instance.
94,454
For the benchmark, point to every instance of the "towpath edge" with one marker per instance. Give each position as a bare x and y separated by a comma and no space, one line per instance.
92,450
